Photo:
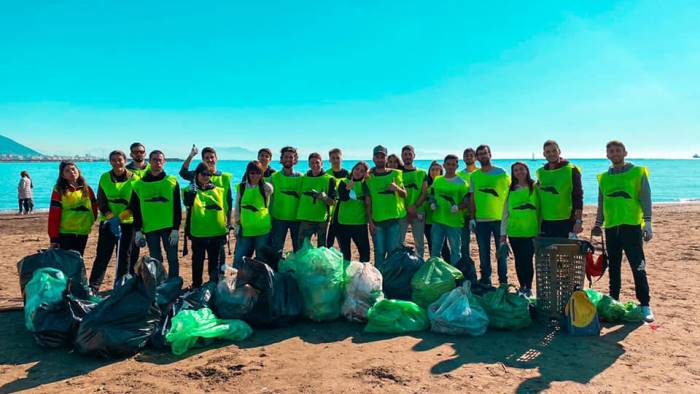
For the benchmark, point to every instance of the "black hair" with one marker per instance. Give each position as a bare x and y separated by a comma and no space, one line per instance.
62,184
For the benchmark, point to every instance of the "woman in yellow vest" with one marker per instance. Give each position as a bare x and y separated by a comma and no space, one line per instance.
206,223
116,220
352,215
251,214
520,223
73,209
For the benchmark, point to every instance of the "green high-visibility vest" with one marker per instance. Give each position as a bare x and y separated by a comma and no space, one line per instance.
447,193
386,205
555,192
207,214
413,183
489,194
621,203
254,213
311,209
523,220
287,193
140,173
156,199
76,213
118,195
223,181
352,211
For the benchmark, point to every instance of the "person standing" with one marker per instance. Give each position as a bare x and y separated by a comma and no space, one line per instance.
25,194
138,165
384,204
624,210
520,223
317,198
116,220
73,209
264,158
157,210
352,216
335,156
206,224
416,185
251,214
285,201
434,170
561,194
469,158
448,199
489,186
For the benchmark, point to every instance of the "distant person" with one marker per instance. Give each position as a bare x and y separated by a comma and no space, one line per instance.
520,223
317,196
25,194
416,185
285,201
335,157
561,194
73,209
265,157
434,170
624,210
206,224
351,213
394,162
252,214
157,210
469,158
116,221
138,164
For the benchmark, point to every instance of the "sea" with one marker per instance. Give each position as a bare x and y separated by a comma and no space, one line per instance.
672,180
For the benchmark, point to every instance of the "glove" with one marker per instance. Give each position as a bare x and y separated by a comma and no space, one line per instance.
320,195
174,237
647,232
472,225
114,226
353,195
139,239
193,187
454,209
433,206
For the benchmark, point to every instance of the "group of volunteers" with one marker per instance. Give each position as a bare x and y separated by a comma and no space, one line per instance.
139,205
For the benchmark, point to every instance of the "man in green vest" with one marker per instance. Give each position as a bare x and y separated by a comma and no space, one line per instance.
138,165
157,211
317,196
335,156
624,210
561,194
265,157
469,158
285,200
416,184
385,205
448,200
489,189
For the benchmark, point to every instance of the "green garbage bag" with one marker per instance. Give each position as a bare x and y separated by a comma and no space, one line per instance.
320,273
189,326
433,279
45,288
614,311
506,310
396,317
594,296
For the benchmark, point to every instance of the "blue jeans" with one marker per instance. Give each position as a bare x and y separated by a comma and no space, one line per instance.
245,246
279,234
466,239
154,240
439,233
484,230
386,239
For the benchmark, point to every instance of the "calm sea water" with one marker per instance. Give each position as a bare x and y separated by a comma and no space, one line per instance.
671,180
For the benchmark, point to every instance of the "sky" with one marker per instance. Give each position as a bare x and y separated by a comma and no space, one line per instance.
91,76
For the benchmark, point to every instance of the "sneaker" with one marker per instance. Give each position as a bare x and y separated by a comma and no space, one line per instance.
647,314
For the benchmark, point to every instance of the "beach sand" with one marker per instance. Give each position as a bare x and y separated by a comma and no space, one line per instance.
339,357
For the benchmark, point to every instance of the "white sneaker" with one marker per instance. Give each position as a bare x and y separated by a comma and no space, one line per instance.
648,314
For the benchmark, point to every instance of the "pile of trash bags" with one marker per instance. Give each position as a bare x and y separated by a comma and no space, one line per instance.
615,311
362,291
432,280
506,310
458,312
396,317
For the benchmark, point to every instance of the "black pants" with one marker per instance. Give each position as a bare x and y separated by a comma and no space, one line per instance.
106,242
557,228
212,246
73,242
358,234
445,253
26,205
154,240
309,229
627,238
333,229
523,252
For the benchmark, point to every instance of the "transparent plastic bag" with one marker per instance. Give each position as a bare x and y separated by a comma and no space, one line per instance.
190,326
363,290
458,313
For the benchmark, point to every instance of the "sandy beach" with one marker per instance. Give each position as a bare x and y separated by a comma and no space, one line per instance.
339,357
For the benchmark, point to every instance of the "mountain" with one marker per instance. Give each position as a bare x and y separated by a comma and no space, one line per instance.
10,147
235,153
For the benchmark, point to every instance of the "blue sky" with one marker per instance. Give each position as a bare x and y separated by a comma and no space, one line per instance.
82,76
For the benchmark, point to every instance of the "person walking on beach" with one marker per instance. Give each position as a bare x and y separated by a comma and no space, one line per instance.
416,186
561,194
489,186
157,211
206,224
25,194
448,200
469,158
138,164
251,214
520,223
73,209
351,213
265,157
624,211
434,170
284,204
335,157
116,221
317,197
384,204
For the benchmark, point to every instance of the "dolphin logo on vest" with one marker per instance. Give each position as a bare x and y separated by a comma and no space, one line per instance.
81,208
550,189
489,191
121,201
291,193
526,206
411,186
448,199
249,207
157,199
212,207
620,193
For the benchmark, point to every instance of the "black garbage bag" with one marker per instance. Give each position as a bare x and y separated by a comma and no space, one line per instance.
287,303
201,297
270,257
397,271
122,324
255,273
168,291
56,326
67,261
237,304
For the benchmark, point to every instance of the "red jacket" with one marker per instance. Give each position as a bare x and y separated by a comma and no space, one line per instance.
56,208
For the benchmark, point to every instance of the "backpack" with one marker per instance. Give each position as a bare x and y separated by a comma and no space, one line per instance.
596,266
580,315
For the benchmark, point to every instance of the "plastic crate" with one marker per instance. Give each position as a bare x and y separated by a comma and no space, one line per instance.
560,267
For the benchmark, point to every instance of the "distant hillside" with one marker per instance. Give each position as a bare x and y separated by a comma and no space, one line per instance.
235,153
10,147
